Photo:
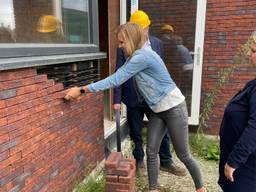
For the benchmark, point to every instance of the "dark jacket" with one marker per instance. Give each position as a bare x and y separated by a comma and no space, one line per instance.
238,141
127,93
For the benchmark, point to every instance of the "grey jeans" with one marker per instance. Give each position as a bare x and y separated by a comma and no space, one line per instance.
176,121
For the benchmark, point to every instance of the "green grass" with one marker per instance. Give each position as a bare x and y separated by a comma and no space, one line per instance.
92,185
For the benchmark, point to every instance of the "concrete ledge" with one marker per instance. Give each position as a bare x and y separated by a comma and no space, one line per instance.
26,62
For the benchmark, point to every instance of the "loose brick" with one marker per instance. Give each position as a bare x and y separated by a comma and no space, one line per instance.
113,160
122,170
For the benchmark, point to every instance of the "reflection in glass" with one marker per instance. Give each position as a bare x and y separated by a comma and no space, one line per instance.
7,22
75,19
175,26
48,21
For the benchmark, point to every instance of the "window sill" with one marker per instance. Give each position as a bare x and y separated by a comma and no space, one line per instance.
26,62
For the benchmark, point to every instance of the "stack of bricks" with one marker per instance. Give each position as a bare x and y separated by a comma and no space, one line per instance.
120,173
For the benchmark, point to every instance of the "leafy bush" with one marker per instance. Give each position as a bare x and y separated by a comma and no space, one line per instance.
205,147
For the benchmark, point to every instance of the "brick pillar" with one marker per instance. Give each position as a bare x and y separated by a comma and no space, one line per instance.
120,173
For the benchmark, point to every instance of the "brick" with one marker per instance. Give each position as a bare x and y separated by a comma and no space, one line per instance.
4,138
17,188
16,74
7,128
26,89
10,160
10,84
3,122
3,113
20,99
12,110
2,104
110,187
6,94
21,178
4,155
40,78
128,179
113,160
112,178
8,145
122,170
10,176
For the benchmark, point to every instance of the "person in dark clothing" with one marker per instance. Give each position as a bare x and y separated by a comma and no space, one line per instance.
137,107
237,167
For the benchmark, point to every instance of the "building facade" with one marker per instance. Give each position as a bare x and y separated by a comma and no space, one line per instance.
47,46
47,144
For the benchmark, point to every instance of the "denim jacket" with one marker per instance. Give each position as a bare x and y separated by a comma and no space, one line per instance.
150,73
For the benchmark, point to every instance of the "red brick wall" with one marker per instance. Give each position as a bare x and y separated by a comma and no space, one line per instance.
46,144
228,26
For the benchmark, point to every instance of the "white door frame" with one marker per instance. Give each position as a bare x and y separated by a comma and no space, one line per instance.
122,12
198,62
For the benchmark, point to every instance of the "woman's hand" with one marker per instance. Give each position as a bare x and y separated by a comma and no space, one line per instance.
73,93
229,171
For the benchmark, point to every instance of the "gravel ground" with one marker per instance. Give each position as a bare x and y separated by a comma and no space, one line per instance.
172,183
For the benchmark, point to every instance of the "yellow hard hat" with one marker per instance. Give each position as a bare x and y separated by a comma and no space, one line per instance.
141,18
47,24
167,27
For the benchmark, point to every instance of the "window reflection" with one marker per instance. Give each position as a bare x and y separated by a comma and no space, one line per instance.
75,17
44,21
7,22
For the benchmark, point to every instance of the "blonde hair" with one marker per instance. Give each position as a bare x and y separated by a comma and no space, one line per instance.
133,35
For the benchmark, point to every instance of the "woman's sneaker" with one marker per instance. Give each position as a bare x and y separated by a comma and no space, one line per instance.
174,169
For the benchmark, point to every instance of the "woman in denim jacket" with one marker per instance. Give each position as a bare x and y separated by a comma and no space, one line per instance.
161,94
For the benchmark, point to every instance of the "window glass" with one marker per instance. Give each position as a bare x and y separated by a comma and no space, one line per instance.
44,21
